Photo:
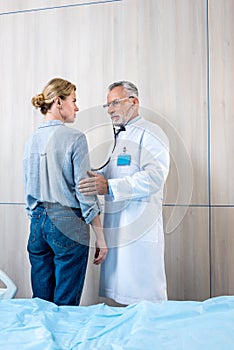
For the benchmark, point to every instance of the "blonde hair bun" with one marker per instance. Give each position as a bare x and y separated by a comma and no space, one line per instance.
38,100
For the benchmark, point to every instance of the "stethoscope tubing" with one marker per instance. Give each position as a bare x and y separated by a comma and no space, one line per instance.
108,160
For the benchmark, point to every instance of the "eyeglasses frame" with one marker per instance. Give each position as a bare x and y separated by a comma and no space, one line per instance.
116,102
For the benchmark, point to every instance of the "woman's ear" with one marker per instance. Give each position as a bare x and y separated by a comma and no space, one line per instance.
58,102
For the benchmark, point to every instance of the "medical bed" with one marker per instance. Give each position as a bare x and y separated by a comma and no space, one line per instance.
36,324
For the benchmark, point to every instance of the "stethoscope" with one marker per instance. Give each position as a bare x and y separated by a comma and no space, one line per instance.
116,131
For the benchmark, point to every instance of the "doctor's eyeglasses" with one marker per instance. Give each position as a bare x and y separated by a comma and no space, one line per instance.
116,103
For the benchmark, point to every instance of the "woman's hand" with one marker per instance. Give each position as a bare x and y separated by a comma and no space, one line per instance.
101,252
101,247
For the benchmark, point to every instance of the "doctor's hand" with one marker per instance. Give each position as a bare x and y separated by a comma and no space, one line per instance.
95,184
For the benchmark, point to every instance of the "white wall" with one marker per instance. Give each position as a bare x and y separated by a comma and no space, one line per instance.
180,54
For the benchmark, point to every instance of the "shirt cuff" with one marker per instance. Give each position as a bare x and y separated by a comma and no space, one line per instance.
92,213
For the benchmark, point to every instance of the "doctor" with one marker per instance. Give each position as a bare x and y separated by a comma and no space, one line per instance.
132,183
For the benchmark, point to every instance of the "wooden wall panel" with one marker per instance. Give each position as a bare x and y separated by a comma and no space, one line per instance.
187,256
172,81
16,71
222,251
221,31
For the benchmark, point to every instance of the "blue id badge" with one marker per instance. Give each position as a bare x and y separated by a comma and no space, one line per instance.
124,159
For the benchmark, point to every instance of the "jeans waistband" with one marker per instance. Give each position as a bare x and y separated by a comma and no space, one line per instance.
50,205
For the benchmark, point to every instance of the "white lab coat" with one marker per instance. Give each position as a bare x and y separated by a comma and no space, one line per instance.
134,268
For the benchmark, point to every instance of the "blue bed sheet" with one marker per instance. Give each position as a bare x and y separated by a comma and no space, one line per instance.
39,325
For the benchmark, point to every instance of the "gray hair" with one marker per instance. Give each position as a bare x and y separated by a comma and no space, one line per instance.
130,87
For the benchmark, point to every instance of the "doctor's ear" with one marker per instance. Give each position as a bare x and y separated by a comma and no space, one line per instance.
135,101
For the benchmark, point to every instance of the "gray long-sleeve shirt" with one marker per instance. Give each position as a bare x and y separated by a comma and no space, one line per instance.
55,159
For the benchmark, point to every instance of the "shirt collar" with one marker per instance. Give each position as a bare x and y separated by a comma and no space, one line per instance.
134,120
50,123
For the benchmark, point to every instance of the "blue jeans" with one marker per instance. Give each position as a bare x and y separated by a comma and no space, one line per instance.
58,247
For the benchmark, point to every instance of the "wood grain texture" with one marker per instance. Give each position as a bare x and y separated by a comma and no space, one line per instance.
221,31
27,5
222,251
187,255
